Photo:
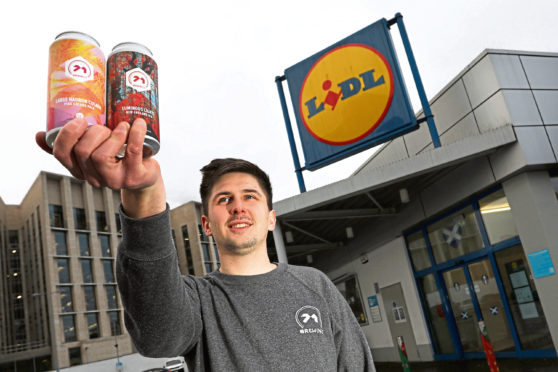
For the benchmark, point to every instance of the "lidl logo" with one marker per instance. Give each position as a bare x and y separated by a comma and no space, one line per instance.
346,94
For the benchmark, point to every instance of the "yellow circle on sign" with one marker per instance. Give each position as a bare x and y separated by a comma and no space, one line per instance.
346,94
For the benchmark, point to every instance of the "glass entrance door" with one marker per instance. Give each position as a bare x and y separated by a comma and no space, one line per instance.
474,294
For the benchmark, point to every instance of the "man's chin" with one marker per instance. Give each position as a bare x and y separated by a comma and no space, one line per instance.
241,249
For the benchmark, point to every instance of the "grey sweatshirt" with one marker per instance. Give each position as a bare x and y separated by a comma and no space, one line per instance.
290,319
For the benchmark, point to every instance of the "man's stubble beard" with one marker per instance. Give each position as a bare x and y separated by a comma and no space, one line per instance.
241,249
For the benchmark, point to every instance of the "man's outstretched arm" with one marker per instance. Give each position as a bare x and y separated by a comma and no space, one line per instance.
89,153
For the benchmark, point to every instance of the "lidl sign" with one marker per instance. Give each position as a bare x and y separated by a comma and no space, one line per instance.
349,97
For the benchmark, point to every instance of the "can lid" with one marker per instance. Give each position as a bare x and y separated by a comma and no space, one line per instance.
130,46
77,35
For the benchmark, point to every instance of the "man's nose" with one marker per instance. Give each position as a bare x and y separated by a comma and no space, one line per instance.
237,206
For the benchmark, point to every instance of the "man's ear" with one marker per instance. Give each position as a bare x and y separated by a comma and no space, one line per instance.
206,225
272,220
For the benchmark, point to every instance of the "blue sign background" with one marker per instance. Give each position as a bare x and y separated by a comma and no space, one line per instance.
399,120
541,264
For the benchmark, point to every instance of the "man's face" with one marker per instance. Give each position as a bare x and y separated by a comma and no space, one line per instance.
238,216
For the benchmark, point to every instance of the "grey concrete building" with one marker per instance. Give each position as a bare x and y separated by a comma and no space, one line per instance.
424,242
59,300
60,304
197,252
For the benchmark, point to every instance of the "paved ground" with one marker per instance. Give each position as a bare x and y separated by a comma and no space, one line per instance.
505,365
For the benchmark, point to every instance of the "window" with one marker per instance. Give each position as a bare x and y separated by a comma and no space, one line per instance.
523,299
105,245
455,235
63,270
111,296
418,251
109,271
204,241
75,356
101,219
350,290
90,298
187,249
118,223
80,221
497,217
60,243
435,314
86,270
114,317
66,303
56,216
69,328
93,325
83,241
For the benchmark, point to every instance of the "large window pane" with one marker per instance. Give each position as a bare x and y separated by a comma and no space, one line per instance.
455,235
114,317
109,271
93,325
66,303
69,328
90,298
63,270
527,313
83,240
101,219
118,223
60,242
75,356
187,249
56,215
80,221
350,289
418,251
435,315
497,217
111,296
105,245
86,270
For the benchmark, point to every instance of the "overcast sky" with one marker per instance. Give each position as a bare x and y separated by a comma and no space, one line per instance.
217,65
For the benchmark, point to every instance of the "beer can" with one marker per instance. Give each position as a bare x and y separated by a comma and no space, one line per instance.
132,91
76,82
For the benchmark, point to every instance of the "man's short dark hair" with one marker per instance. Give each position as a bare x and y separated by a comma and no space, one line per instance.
219,167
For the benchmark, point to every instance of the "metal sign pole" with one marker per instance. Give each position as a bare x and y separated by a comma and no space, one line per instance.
294,152
418,82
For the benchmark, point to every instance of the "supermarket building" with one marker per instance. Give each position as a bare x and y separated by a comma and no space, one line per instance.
424,242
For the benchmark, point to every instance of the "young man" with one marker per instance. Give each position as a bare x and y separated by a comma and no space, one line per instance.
250,315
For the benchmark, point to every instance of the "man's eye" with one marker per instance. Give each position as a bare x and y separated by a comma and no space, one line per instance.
250,197
224,199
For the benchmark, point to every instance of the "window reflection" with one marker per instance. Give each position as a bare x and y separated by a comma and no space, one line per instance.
418,251
435,315
60,242
523,299
497,217
350,290
455,235
66,303
69,328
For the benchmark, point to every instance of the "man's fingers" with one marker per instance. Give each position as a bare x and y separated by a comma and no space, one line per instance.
104,157
134,149
40,138
84,149
64,143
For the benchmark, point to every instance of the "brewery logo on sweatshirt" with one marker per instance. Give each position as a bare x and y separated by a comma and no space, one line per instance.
309,320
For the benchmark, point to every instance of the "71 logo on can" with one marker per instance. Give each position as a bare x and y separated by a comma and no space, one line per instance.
138,79
78,69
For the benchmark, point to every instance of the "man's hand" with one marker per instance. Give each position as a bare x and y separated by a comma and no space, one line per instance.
89,153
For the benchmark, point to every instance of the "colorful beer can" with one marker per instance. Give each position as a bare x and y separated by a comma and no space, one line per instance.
76,82
132,91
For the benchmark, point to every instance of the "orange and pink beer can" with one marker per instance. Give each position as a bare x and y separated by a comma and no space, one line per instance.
76,82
